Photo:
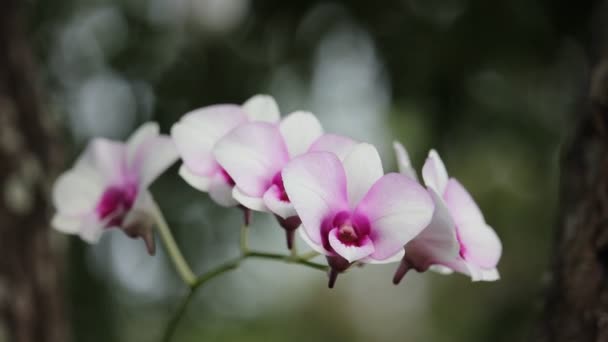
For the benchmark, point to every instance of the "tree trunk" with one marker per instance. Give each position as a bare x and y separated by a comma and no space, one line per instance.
576,308
31,299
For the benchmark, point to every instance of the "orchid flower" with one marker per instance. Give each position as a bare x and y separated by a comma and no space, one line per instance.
198,131
108,186
350,211
254,155
458,238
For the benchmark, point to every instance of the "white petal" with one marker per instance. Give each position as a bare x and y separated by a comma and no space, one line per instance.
350,252
300,130
253,203
398,209
315,246
66,224
262,108
198,182
153,158
198,131
220,191
395,258
316,185
363,168
481,244
149,130
272,200
77,191
441,269
91,229
437,243
403,161
252,154
106,158
339,145
434,173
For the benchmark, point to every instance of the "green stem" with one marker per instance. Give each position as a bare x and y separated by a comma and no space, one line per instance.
184,270
226,267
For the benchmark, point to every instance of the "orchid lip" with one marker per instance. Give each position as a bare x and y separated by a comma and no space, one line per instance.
115,202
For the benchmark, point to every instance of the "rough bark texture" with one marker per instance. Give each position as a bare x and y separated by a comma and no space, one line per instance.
30,297
577,304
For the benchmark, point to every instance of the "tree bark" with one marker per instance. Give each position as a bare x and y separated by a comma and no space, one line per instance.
576,308
31,300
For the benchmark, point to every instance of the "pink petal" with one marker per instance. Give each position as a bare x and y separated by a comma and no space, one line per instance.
272,200
106,158
350,252
201,183
339,145
363,168
220,191
148,130
300,130
392,259
403,161
437,243
253,203
262,108
481,245
317,247
398,209
434,173
316,185
155,156
252,154
198,131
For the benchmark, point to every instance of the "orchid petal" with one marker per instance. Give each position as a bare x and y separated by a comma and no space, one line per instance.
156,155
392,259
363,168
300,130
262,108
201,183
481,244
220,191
145,132
104,158
398,209
339,145
253,203
434,173
66,224
316,185
403,161
438,242
276,205
315,246
198,131
252,154
350,252
77,191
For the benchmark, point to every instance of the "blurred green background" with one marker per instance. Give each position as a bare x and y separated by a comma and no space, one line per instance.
488,84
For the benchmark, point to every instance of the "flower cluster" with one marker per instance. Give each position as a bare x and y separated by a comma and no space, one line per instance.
331,187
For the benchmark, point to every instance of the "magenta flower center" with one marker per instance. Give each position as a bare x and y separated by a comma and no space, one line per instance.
227,177
347,234
278,181
115,203
353,229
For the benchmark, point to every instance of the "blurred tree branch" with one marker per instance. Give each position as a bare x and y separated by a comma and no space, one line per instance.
31,300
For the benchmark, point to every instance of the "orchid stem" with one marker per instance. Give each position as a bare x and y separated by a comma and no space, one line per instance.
226,267
182,267
309,255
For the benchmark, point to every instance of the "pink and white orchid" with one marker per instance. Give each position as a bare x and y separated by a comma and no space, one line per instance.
198,131
254,155
351,211
108,186
458,238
